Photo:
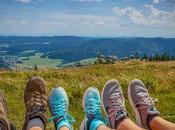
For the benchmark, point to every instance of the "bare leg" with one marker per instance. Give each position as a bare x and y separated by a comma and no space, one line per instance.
103,127
127,124
35,128
64,128
160,124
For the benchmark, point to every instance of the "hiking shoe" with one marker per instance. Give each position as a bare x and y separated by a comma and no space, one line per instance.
59,105
3,112
92,107
141,102
35,98
113,103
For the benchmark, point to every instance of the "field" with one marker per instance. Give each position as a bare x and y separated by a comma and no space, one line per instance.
159,78
42,62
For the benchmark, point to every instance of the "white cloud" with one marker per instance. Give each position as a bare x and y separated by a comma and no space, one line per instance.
74,20
23,22
24,1
88,0
28,1
52,23
155,17
156,1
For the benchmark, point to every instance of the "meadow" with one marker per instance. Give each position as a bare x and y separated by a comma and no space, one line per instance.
159,78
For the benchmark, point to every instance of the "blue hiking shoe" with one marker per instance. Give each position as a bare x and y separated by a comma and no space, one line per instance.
58,105
92,107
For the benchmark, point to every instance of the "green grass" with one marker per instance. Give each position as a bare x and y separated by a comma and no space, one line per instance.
89,61
158,77
41,62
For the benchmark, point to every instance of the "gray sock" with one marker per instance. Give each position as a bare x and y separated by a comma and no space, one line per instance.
35,122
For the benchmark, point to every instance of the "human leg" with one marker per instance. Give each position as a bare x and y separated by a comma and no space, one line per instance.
113,103
157,123
59,108
35,98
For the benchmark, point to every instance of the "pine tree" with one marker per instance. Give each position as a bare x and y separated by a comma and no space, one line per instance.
36,67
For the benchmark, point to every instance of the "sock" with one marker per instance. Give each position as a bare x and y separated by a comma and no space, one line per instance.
63,123
35,122
95,123
2,126
120,120
149,119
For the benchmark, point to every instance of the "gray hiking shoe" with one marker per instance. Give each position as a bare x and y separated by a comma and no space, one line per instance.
113,103
141,102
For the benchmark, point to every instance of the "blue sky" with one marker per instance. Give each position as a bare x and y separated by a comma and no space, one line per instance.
110,18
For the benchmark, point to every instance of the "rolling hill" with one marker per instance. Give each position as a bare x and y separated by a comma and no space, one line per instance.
70,48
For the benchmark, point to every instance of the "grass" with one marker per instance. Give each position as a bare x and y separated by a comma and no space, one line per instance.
86,62
41,62
159,78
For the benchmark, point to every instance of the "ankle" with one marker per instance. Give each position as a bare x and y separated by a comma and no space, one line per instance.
149,120
118,122
64,128
35,124
95,123
63,124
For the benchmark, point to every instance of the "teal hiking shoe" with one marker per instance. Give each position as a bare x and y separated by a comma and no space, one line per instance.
59,105
92,107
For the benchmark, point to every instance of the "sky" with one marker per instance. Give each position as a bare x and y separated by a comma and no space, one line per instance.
104,18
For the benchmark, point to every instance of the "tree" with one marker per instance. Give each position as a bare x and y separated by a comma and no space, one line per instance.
145,57
36,67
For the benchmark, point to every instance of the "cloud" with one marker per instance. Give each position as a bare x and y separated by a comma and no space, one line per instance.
156,1
23,22
153,17
89,0
28,1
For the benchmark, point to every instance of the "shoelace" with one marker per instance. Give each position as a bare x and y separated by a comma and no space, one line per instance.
116,101
58,107
93,107
37,103
147,102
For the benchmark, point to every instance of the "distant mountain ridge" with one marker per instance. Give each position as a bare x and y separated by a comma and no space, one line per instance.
72,48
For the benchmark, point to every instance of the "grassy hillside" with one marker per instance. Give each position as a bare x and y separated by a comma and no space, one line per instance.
159,78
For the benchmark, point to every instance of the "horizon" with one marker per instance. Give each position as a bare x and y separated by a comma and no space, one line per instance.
88,18
84,36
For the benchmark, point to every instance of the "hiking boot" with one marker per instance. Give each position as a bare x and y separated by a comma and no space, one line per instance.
59,105
35,98
113,103
3,113
141,102
92,107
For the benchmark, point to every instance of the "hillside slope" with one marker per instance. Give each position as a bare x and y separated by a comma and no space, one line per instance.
72,49
159,78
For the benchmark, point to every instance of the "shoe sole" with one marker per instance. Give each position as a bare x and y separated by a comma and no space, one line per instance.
138,119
